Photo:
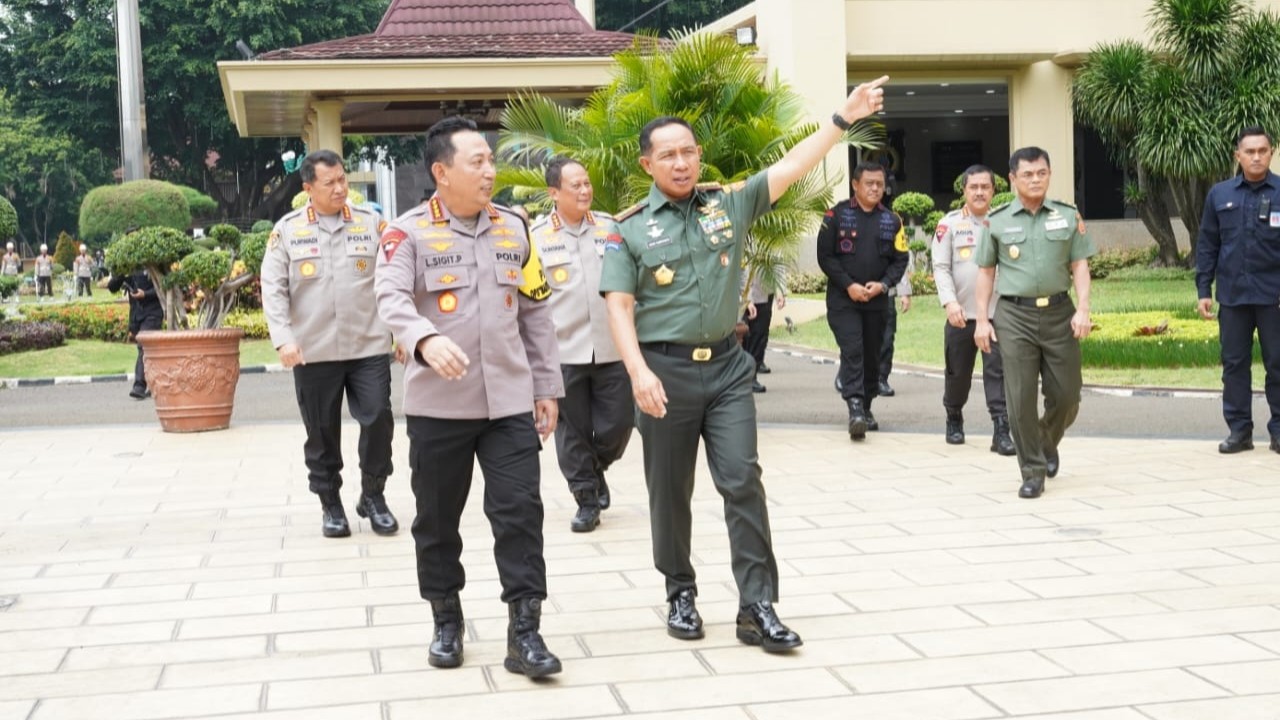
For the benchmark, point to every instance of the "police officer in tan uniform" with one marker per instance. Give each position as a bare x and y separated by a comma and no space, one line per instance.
10,264
44,274
596,412
460,285
83,266
317,295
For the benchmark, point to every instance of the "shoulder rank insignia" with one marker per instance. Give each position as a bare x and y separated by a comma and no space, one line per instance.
630,211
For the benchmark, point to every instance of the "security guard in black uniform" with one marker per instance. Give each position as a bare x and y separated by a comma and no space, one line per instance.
863,251
1239,247
672,285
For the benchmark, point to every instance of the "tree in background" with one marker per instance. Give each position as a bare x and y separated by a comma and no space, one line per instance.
64,253
58,63
1173,109
8,221
744,124
674,16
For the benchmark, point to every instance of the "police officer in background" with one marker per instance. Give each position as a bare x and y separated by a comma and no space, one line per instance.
955,270
758,317
672,283
863,252
1239,248
460,285
1041,250
596,412
317,295
44,274
10,263
145,313
83,267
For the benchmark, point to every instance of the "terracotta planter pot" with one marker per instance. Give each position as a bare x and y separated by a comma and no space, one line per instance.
192,374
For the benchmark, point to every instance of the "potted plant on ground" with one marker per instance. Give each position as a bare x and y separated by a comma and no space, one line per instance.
193,364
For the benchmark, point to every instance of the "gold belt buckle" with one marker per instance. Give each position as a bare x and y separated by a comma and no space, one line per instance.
1042,302
701,354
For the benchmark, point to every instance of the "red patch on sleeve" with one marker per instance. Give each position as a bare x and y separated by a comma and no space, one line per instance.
831,213
614,239
391,240
942,230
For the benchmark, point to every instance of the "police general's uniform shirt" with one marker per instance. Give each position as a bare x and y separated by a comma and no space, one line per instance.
479,283
858,247
682,260
955,261
317,284
572,257
1239,242
1034,252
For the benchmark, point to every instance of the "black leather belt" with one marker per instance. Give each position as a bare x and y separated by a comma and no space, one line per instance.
696,353
1036,302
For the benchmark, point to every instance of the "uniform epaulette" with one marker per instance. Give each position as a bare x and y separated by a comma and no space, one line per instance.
703,187
630,211
1063,203
1000,209
958,212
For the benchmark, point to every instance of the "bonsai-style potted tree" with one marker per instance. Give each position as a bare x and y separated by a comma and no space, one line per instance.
193,364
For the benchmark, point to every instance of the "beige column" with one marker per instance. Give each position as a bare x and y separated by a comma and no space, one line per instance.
309,129
328,126
811,57
1040,115
588,10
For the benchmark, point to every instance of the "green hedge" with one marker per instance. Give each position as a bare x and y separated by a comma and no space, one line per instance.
253,322
86,321
201,205
113,209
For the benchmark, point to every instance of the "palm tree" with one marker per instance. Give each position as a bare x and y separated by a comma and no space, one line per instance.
1210,71
745,124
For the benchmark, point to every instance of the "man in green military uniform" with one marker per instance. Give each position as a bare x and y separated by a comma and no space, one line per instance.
671,282
1042,250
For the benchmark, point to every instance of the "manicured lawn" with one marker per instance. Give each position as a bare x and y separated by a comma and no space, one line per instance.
90,357
919,339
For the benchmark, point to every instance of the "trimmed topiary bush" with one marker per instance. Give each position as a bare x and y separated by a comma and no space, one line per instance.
1001,199
64,253
112,210
226,237
201,205
9,285
262,226
23,336
931,223
913,206
8,221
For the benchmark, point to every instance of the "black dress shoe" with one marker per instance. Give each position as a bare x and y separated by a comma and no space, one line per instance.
886,390
758,624
446,638
374,508
602,494
756,387
1051,462
683,620
333,524
1031,488
1238,442
139,393
763,369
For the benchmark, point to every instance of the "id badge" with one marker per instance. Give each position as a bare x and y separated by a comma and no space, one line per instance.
1275,219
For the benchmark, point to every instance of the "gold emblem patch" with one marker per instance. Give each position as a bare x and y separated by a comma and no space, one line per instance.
307,269
1014,252
507,244
664,275
448,279
440,246
965,253
724,259
447,302
560,275
362,265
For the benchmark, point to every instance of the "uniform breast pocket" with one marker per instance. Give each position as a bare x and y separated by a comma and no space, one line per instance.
1229,214
1058,234
963,248
306,269
509,278
451,293
559,270
1012,244
662,266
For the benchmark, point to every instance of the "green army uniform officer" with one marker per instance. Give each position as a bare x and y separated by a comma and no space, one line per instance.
1042,250
672,287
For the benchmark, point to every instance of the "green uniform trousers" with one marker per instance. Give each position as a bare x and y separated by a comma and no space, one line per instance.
712,401
1037,344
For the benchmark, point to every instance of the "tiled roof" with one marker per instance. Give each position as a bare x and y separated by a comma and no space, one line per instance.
470,29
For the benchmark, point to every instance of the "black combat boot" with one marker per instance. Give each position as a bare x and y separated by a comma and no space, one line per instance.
857,419
1001,442
588,516
446,641
602,494
374,507
527,654
334,522
955,427
872,424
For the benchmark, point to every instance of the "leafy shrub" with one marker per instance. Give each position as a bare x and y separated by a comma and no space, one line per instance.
112,210
1142,272
253,322
1117,341
23,336
8,220
931,223
913,206
58,269
806,283
225,236
262,226
8,286
108,322
64,253
201,205
922,283
1002,184
151,246
1106,262
253,247
1001,199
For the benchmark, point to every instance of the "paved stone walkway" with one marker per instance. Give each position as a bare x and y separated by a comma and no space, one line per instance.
165,576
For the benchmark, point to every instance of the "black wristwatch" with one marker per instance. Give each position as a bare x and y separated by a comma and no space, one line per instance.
840,122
